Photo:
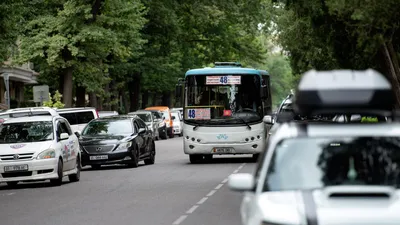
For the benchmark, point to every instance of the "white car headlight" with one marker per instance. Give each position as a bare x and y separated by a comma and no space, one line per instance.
124,146
162,124
47,154
168,124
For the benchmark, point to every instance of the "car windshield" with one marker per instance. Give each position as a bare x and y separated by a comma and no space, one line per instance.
146,117
108,127
309,163
176,115
166,115
236,100
26,132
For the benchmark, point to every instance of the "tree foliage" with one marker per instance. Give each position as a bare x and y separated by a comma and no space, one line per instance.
55,101
341,34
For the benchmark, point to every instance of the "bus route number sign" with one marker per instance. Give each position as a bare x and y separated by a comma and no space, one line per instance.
215,80
199,114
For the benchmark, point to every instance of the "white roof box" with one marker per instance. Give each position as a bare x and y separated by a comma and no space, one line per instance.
343,91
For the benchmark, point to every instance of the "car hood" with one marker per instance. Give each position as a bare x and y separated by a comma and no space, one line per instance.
288,207
24,147
103,139
177,123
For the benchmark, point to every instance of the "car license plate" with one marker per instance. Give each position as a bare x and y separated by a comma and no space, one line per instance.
222,150
98,157
16,168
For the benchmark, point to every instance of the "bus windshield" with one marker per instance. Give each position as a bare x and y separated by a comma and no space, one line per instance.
223,99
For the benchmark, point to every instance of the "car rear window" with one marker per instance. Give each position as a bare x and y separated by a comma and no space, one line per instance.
78,117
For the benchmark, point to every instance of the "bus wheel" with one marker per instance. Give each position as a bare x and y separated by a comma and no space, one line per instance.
195,158
208,157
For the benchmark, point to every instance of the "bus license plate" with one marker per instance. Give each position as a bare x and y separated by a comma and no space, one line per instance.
222,150
16,168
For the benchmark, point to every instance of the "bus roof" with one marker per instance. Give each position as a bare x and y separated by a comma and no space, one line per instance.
226,70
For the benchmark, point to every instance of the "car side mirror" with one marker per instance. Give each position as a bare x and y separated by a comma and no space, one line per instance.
142,130
173,117
77,133
241,182
163,117
268,119
64,136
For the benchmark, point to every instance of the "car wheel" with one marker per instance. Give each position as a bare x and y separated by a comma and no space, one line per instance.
152,157
58,180
135,158
12,183
194,159
96,167
76,177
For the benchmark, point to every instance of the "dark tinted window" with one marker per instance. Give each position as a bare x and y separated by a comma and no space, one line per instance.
105,127
78,117
26,132
146,117
141,124
308,163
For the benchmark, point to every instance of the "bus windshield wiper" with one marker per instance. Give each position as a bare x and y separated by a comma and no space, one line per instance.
244,121
200,124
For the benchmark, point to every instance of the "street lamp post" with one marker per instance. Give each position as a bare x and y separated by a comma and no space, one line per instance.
7,84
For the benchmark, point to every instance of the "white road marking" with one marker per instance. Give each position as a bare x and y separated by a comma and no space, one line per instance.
211,193
191,210
180,220
218,186
11,193
202,200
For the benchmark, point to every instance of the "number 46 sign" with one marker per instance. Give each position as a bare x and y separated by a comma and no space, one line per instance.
215,80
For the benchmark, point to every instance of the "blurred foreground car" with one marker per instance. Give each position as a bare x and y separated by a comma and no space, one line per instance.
38,148
329,173
117,140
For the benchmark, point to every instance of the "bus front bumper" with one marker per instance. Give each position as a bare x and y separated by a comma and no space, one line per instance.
253,147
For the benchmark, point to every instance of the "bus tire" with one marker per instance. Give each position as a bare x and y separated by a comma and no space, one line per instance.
194,159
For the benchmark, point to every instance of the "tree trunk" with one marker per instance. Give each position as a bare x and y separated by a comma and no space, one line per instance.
166,98
393,75
93,100
61,84
80,96
145,99
154,99
67,93
394,58
106,103
134,93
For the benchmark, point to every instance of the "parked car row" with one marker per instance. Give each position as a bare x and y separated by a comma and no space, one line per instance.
43,143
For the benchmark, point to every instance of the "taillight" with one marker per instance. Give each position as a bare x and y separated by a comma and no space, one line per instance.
97,113
2,120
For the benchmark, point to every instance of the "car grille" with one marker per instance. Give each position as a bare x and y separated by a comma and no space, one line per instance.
22,156
98,148
17,174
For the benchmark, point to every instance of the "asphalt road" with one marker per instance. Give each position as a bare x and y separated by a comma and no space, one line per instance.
172,191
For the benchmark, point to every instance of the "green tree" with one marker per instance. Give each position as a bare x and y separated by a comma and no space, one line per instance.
79,40
55,101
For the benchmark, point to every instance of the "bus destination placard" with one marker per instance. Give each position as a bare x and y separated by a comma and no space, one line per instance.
218,80
199,114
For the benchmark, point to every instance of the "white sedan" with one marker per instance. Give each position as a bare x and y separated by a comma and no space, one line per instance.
38,148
